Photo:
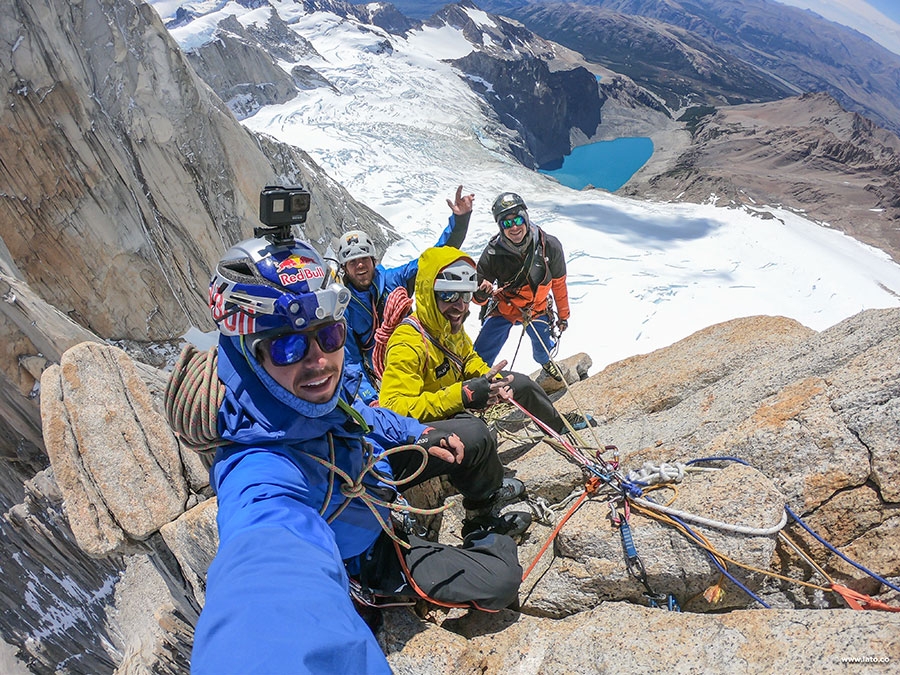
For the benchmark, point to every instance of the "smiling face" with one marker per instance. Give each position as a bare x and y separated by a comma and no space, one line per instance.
360,272
516,233
455,312
314,378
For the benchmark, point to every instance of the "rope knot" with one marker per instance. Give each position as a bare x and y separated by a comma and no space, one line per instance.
353,490
651,473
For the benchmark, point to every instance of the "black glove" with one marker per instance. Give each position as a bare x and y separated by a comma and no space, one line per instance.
475,393
431,437
562,324
481,296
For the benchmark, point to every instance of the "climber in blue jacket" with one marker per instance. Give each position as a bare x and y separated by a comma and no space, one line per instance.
306,478
370,284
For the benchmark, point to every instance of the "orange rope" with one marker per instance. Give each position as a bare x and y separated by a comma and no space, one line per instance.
396,308
589,489
857,600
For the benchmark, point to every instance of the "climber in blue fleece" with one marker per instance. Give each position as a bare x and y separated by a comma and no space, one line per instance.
304,485
370,283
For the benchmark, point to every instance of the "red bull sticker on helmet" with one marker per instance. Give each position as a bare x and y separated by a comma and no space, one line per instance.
296,268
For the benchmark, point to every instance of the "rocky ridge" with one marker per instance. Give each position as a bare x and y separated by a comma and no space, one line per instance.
805,153
789,48
814,416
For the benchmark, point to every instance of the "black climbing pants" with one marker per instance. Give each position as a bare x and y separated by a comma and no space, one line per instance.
476,477
484,572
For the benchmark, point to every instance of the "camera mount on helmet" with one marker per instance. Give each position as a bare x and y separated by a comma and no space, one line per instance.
280,208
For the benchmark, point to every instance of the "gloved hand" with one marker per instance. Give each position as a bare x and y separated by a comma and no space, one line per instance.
442,444
484,291
481,296
475,393
562,324
431,436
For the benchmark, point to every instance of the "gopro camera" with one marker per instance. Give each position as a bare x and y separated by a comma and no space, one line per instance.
283,205
279,209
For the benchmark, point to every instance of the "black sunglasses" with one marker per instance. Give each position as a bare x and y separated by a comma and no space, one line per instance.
293,347
513,221
453,296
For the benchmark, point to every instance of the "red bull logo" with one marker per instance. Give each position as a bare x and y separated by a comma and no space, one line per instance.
296,268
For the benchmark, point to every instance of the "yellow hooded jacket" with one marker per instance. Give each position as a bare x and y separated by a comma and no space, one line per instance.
420,380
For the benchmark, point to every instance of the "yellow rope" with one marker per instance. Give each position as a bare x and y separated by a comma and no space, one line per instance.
702,542
812,563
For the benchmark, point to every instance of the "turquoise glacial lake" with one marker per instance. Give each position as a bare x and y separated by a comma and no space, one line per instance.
605,164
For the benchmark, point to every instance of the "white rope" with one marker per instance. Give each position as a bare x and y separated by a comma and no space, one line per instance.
715,524
651,473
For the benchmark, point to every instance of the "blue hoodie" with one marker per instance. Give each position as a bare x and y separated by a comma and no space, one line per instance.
277,592
366,308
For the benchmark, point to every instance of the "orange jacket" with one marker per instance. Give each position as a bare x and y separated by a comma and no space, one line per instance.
524,279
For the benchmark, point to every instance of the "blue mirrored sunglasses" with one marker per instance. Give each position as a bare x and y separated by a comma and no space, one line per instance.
293,347
515,221
453,296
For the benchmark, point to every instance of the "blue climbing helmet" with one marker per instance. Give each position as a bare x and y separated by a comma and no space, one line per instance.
261,287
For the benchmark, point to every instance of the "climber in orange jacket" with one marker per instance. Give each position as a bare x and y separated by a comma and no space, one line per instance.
517,272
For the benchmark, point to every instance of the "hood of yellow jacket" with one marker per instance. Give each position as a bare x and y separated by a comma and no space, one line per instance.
431,262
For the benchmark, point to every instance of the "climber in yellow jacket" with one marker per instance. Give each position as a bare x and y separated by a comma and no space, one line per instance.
431,370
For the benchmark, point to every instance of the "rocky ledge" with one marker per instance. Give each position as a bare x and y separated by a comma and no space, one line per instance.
812,417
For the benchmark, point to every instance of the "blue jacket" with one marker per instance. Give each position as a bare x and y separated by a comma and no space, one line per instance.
277,592
366,308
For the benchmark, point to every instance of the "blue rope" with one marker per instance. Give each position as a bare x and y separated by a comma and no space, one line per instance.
719,565
719,459
806,527
838,553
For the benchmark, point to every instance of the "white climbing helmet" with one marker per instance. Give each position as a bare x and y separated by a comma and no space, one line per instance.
354,244
457,276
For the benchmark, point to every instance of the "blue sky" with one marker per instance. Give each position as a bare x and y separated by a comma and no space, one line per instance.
879,19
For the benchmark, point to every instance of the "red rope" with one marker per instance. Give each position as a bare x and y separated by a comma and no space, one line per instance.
396,308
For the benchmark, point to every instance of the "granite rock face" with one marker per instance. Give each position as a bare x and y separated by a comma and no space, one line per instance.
795,407
124,178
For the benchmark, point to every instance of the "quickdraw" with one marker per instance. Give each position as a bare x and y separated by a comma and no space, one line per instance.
633,562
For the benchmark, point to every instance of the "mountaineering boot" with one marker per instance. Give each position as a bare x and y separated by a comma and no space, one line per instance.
512,524
483,520
509,491
578,422
552,370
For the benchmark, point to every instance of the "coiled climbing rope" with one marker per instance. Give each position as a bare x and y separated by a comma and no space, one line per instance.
192,399
396,308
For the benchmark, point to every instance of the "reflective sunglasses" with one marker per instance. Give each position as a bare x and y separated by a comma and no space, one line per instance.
453,296
293,347
514,221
